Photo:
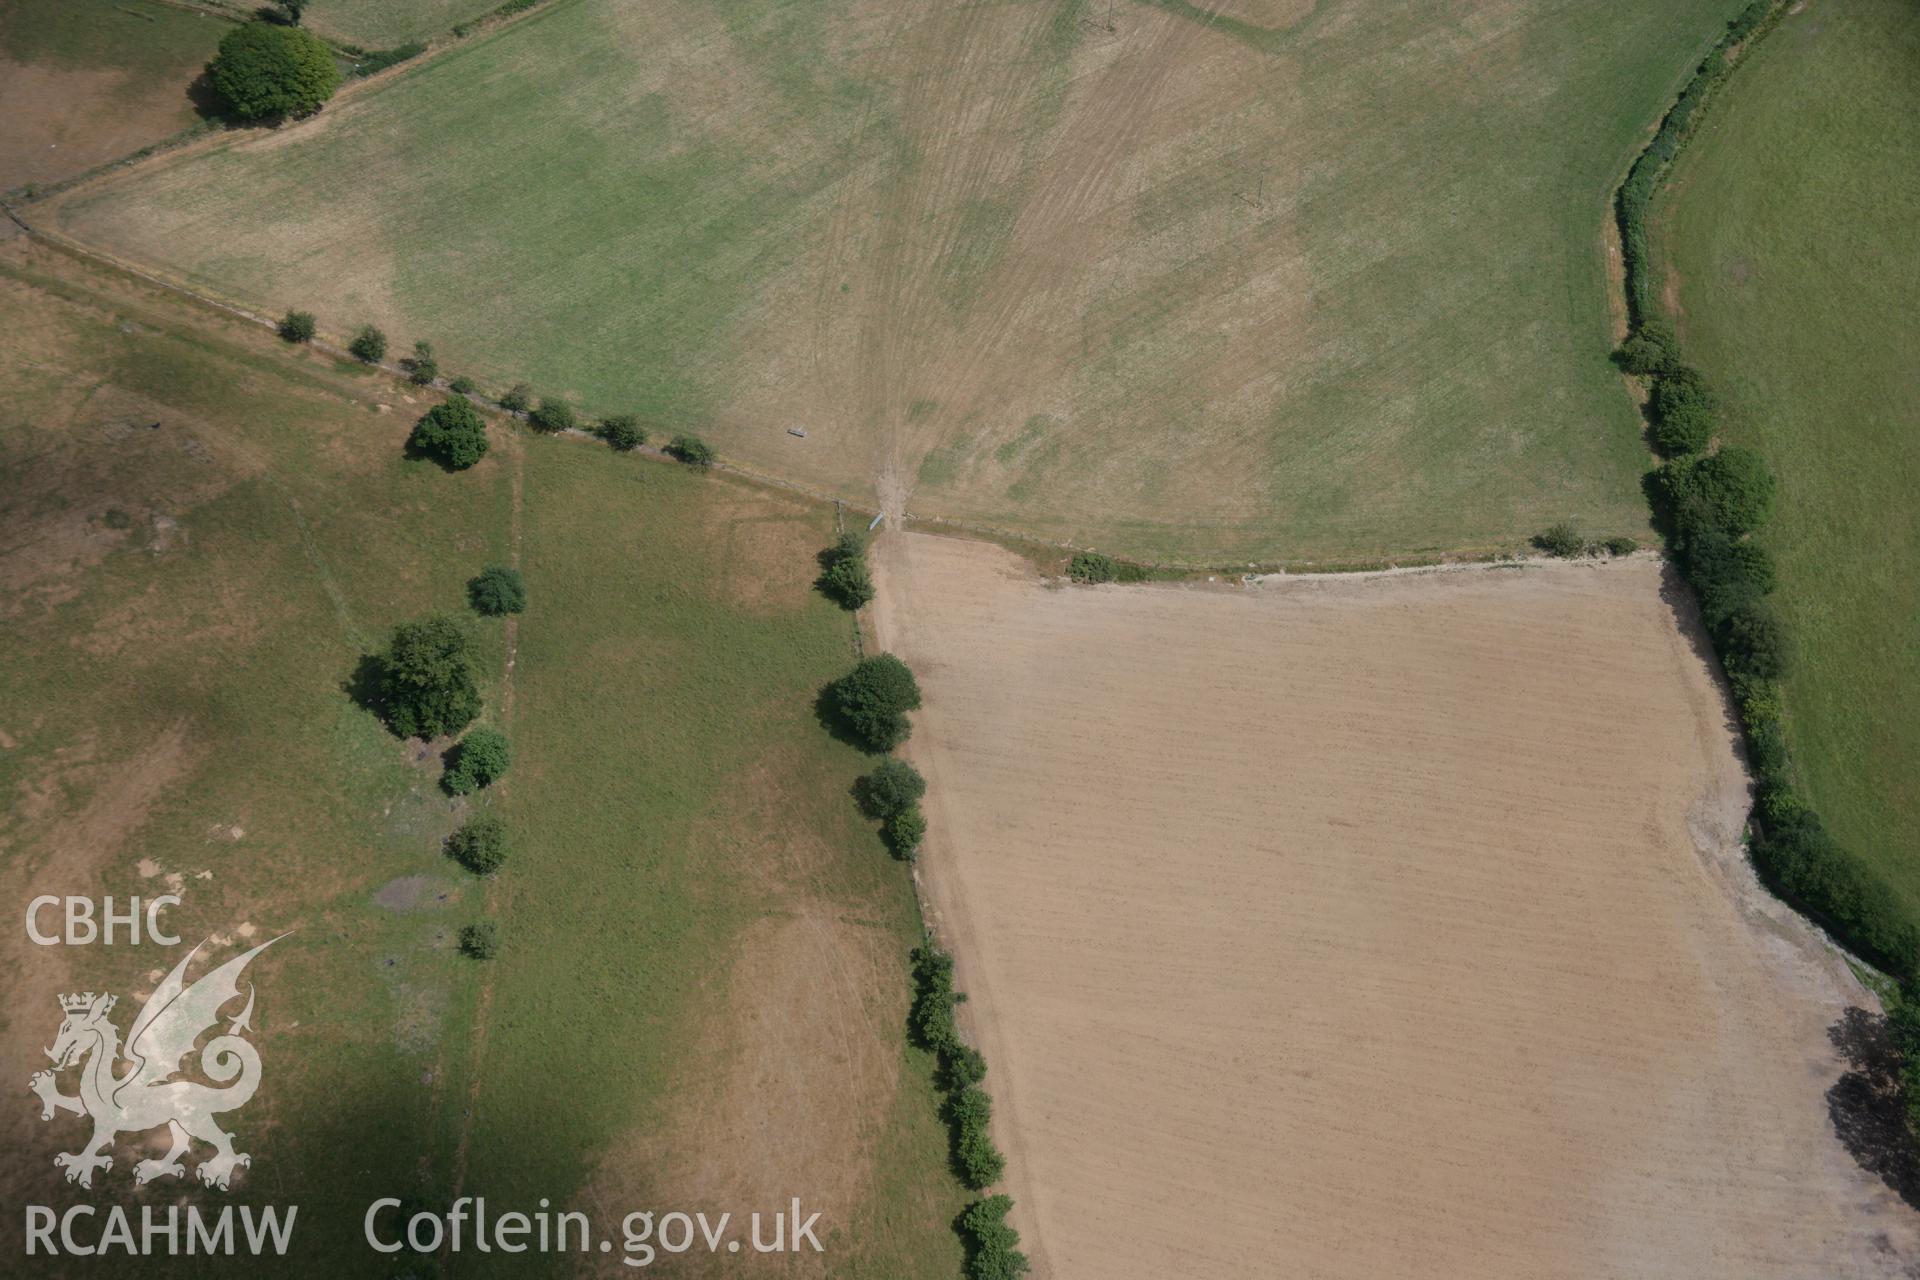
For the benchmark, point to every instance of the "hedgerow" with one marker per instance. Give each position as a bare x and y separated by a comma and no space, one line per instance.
1711,504
1091,566
969,1110
1635,197
993,1251
1685,411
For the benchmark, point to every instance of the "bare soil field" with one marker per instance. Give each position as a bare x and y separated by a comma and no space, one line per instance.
1375,926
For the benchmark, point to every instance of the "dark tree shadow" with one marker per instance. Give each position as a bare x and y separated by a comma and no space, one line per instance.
827,711
364,686
414,453
206,100
1680,598
1868,1113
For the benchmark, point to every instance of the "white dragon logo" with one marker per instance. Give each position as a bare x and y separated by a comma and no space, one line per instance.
145,1096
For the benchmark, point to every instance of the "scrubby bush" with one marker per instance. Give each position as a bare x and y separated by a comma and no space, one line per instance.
298,326
422,368
517,398
1561,540
1621,546
847,578
893,786
1733,488
480,845
874,698
553,415
622,431
992,1246
1685,411
263,71
904,831
368,345
1091,566
497,590
480,759
1650,349
481,940
692,450
463,385
452,431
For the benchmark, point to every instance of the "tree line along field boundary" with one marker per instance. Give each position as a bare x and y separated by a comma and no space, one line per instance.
1730,575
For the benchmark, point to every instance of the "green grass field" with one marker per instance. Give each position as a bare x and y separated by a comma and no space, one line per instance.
83,82
381,24
1331,288
1792,234
182,607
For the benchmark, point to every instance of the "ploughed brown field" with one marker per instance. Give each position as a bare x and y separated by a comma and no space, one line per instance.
1371,926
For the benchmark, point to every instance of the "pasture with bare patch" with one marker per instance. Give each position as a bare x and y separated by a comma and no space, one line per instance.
83,82
703,983
1379,926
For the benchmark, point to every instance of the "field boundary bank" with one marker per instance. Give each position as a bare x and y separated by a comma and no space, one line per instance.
73,249
1030,545
1796,859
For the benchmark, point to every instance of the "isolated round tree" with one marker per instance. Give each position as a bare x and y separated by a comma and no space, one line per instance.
264,70
452,431
426,679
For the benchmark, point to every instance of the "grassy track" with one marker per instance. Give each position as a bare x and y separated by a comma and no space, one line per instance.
673,791
181,607
1792,241
83,82
1318,288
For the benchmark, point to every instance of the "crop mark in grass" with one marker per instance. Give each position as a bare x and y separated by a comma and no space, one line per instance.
342,613
1214,16
498,893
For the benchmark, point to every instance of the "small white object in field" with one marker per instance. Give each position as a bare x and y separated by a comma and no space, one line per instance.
797,431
